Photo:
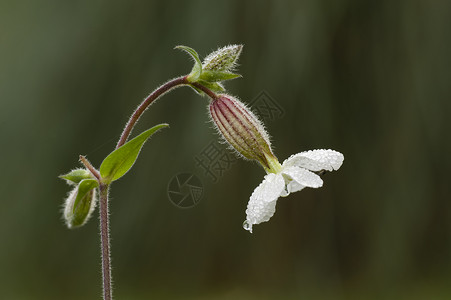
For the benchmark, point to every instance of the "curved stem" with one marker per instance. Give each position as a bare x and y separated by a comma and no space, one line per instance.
105,241
104,215
176,82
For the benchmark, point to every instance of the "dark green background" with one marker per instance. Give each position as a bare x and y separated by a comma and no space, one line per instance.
370,79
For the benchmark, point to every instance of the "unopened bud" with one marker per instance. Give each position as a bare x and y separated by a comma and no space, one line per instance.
243,131
80,203
223,59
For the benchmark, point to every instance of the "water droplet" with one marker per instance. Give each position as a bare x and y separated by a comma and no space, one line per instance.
247,226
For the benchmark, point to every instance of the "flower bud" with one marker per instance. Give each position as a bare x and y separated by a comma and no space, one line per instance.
242,130
223,59
80,203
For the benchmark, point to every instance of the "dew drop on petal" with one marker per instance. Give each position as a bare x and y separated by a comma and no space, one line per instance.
247,226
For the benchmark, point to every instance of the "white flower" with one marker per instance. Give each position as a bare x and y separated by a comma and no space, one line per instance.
246,134
296,173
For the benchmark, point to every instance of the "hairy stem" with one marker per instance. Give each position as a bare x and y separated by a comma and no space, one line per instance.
105,241
176,82
104,215
89,166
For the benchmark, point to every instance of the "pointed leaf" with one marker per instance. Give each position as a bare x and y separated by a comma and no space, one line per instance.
197,68
77,175
118,162
214,76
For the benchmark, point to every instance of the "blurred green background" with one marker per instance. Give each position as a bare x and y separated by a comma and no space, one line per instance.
370,79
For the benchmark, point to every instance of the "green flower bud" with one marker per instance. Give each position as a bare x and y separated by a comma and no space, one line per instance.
80,203
224,59
243,131
216,67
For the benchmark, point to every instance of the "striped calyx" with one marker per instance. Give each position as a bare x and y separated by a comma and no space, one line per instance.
243,131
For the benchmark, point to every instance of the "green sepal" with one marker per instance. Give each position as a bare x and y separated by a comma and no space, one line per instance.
213,86
77,175
215,76
197,68
118,162
198,91
80,209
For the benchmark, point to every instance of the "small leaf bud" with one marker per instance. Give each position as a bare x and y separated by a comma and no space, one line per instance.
80,203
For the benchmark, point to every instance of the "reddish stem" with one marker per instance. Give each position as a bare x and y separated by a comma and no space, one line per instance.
104,214
89,166
105,242
145,104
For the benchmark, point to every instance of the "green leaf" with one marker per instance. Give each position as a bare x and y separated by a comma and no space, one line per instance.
118,162
81,204
213,86
215,76
197,68
77,175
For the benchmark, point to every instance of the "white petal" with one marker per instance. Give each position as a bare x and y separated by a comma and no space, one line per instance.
262,204
293,187
316,160
270,188
301,178
258,212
